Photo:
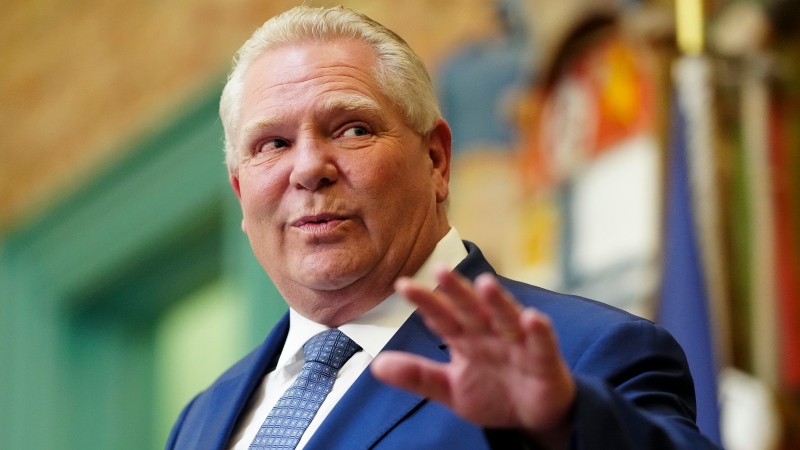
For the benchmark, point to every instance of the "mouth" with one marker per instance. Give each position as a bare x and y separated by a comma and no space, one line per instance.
318,222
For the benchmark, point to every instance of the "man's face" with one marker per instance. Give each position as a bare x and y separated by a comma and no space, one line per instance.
338,194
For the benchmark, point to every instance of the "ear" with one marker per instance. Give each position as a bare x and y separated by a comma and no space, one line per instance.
439,147
234,180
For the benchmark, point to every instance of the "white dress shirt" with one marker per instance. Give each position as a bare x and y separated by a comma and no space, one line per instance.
372,330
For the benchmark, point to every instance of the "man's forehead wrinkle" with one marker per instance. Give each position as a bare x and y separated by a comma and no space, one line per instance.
293,64
262,89
337,91
296,66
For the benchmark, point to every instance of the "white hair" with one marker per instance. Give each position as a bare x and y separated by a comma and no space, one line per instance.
399,72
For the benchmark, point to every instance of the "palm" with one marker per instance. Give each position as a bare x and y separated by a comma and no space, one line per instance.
496,383
505,369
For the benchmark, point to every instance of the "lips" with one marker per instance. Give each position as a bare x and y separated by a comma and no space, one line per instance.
318,222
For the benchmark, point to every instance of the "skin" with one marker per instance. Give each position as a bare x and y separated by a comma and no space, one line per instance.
339,196
342,202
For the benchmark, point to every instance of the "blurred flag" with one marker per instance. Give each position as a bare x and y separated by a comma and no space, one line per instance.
764,317
684,308
784,164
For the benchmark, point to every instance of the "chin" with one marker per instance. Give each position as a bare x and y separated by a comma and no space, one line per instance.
321,277
327,280
330,271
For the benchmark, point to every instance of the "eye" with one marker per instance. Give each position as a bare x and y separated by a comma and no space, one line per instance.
271,145
357,130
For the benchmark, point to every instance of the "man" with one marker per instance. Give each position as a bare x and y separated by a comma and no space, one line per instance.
340,159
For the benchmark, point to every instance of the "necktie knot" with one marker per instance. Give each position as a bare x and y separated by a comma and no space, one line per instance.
332,348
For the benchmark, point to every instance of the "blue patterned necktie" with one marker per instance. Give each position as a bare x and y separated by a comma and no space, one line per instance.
325,354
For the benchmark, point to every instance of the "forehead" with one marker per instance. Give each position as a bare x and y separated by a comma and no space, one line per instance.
308,71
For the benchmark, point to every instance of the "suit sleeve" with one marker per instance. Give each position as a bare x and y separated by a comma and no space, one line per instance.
634,391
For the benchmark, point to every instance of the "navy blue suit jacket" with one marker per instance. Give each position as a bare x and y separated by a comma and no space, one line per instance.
634,387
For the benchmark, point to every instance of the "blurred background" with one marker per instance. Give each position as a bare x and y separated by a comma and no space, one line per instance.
645,153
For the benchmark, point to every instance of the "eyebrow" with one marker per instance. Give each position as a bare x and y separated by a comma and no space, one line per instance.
351,103
330,105
254,126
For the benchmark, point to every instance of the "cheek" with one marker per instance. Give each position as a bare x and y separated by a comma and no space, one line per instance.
259,195
394,190
258,188
377,182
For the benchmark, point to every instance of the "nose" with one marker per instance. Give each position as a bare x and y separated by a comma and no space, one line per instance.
314,165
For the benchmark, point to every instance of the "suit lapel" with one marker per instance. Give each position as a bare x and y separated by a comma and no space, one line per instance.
374,406
231,393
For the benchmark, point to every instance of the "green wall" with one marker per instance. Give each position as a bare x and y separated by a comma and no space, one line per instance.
195,340
98,294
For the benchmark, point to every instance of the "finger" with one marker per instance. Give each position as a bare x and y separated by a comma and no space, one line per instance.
540,337
473,314
438,313
413,373
503,308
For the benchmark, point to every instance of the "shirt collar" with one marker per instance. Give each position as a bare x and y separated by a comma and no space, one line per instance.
373,329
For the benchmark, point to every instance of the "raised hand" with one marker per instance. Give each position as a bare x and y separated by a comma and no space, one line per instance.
506,370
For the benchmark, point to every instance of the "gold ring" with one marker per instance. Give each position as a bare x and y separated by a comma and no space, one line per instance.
512,335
